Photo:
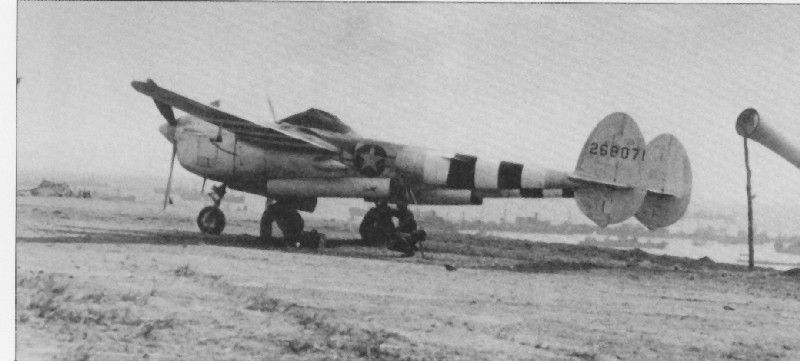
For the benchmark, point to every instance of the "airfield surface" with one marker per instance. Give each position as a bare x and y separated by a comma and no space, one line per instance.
100,280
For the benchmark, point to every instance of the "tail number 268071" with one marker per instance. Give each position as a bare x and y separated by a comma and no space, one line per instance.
615,151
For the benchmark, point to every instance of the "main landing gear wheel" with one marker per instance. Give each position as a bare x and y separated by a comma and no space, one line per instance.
367,228
287,220
376,227
211,220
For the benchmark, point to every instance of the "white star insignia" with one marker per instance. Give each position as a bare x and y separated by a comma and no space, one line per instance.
370,160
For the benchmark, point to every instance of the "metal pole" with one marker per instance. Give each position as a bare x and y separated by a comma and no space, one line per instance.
750,251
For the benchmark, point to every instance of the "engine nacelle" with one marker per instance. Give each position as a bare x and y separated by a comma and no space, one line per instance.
374,188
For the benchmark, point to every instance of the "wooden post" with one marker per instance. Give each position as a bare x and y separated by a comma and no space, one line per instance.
750,250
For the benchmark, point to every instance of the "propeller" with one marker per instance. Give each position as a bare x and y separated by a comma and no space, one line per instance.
169,180
271,109
167,113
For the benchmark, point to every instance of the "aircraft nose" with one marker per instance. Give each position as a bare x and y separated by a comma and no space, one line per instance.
168,132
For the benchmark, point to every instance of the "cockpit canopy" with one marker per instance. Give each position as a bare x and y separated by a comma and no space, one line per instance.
317,119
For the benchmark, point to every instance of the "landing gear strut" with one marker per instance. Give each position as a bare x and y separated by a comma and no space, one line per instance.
211,220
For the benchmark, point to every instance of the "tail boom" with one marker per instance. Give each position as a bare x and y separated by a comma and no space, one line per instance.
618,175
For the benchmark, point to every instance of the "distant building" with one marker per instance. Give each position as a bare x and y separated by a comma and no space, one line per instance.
356,212
51,189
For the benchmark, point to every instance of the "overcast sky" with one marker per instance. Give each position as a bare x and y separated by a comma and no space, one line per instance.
523,82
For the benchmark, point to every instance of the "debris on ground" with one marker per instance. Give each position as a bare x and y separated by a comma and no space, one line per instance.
705,261
794,272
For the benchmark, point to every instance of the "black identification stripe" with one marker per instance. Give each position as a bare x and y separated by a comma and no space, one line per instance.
509,176
531,193
475,200
461,174
539,193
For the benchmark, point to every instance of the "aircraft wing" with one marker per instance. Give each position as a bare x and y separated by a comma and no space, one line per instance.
265,136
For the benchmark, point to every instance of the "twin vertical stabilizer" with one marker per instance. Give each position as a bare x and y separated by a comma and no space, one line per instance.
619,175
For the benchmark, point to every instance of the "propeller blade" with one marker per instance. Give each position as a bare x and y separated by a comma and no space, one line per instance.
272,110
167,113
202,189
169,180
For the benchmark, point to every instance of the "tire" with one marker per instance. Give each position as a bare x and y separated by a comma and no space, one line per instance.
367,228
288,221
291,224
366,233
211,220
265,233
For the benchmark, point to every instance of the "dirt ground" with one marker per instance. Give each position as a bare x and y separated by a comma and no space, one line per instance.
124,281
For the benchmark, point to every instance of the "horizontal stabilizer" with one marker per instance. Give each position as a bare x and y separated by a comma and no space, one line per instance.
616,185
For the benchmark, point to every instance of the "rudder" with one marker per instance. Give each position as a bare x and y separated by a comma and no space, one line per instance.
610,169
668,176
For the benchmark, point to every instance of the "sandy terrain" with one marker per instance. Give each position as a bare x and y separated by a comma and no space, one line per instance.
114,281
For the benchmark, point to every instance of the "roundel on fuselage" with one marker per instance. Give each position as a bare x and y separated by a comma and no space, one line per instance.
370,160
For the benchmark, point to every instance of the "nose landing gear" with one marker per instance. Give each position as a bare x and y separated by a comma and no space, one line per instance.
211,219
